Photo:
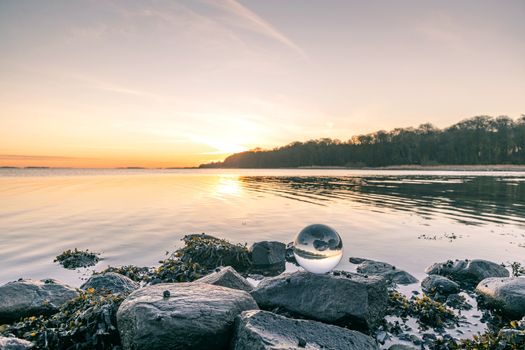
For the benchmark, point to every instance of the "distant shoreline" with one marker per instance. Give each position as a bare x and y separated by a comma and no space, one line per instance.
489,167
492,167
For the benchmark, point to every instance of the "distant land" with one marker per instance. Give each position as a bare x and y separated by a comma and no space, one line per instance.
482,142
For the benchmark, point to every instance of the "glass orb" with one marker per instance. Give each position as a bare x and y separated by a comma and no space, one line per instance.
318,248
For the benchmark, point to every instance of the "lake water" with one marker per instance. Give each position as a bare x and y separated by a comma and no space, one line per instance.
407,218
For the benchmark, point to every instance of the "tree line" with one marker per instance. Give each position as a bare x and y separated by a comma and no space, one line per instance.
474,141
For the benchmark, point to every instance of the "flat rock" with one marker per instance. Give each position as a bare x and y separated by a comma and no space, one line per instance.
25,298
112,281
226,277
505,294
14,344
181,316
349,299
468,272
263,330
389,272
439,284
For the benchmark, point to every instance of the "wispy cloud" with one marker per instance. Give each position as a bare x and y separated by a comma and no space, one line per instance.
257,24
112,87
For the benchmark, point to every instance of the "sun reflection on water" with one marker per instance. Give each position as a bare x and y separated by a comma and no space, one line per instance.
228,185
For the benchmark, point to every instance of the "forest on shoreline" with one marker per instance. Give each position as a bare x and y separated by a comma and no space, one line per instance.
481,140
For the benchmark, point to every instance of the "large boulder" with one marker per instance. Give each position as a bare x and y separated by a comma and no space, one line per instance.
268,257
439,284
263,330
504,294
25,298
14,344
226,277
181,316
468,272
349,299
389,272
111,281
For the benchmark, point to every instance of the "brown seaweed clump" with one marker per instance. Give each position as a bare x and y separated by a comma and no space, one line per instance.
210,252
428,312
200,255
74,259
170,270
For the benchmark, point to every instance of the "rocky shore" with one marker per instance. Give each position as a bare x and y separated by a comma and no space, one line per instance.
212,294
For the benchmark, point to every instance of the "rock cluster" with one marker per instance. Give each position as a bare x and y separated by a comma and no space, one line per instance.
222,310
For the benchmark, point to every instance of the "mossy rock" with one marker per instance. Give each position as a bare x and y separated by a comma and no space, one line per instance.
74,259
211,252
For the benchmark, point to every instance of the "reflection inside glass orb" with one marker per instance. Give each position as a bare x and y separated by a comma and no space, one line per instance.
318,248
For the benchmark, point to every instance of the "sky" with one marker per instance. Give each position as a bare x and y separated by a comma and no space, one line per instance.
167,83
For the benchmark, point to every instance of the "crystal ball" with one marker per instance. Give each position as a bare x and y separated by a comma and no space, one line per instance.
318,248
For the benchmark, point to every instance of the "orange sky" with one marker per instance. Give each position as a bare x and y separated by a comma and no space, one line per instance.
178,83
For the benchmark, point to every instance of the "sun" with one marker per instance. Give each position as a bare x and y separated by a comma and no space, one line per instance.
221,146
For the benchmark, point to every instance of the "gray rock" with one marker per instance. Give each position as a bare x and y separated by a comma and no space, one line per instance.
227,277
268,253
389,272
345,299
114,282
439,284
505,294
268,257
25,298
263,330
14,344
188,316
468,272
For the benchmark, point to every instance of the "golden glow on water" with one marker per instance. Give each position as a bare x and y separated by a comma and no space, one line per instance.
228,185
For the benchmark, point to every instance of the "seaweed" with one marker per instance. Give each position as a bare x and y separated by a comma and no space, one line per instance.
135,273
170,270
428,312
511,337
73,259
210,253
517,269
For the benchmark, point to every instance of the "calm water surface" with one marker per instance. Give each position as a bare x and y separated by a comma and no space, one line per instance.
408,218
